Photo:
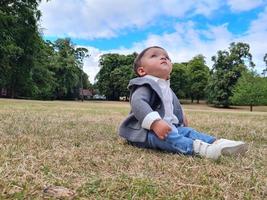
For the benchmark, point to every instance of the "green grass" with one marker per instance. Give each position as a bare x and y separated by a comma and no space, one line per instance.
75,145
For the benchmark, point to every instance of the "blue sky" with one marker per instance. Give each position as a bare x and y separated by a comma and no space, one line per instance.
183,28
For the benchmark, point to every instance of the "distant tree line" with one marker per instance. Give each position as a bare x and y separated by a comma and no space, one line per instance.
31,67
232,79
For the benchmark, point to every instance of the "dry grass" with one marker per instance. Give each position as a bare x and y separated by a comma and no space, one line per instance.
75,145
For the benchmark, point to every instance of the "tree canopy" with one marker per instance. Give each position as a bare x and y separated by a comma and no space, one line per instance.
114,75
19,42
250,90
199,77
31,67
227,69
180,80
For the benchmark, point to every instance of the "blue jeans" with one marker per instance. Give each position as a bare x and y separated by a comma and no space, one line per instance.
179,140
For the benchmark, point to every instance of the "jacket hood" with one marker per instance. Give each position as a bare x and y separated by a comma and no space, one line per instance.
139,81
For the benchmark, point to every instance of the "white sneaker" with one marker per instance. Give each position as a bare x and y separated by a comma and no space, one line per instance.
231,147
219,147
204,149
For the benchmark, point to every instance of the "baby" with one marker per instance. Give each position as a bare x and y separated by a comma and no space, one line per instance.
157,120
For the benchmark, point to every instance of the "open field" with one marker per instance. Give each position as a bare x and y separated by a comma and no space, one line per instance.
75,145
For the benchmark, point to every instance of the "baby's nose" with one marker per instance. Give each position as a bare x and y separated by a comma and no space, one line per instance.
163,57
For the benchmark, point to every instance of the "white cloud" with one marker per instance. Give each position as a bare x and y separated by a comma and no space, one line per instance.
207,7
92,19
187,41
244,5
256,37
180,8
260,24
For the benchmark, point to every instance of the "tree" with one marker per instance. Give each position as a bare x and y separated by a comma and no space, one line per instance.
180,80
199,76
114,75
227,69
80,54
120,76
58,71
67,69
250,90
107,63
85,81
31,67
18,38
42,75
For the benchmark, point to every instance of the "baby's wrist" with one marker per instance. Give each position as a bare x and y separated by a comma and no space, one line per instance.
154,124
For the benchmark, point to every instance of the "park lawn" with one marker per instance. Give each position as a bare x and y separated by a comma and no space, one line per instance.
75,145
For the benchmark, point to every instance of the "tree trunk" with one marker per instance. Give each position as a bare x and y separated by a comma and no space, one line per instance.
251,108
12,92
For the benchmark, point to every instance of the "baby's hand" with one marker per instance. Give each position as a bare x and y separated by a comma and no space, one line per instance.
161,128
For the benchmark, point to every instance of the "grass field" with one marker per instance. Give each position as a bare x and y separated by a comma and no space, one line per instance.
75,145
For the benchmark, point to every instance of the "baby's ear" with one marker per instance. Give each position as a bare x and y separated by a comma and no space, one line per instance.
141,71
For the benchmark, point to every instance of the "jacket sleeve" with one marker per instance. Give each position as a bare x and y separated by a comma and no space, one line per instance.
141,108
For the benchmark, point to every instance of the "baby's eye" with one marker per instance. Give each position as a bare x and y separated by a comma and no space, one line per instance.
153,55
168,57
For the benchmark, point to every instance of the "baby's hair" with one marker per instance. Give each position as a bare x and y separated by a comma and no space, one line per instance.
137,60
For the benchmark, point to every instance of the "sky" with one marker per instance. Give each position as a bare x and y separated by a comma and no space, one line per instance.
184,28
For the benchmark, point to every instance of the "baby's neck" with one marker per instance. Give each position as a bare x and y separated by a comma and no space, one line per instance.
156,77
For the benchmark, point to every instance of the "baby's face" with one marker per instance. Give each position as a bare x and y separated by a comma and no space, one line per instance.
155,62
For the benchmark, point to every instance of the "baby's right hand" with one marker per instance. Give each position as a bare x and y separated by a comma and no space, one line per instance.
161,128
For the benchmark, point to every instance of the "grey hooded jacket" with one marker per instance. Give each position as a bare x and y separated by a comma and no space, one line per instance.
145,97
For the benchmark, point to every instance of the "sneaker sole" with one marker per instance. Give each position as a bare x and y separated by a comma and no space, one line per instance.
240,149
